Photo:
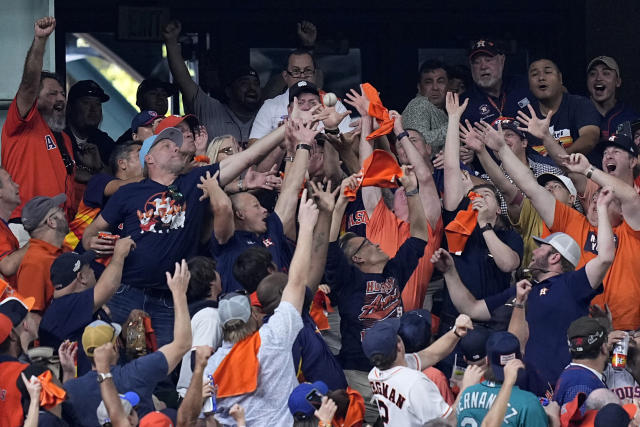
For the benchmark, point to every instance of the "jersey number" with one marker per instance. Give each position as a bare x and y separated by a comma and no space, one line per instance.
384,412
468,422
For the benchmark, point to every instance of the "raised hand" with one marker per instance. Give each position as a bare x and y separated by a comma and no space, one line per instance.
576,162
352,182
33,387
269,180
397,124
438,160
305,116
485,216
180,280
523,287
454,109
326,411
43,27
492,138
463,325
330,117
308,212
533,124
171,31
442,260
307,33
105,356
209,185
511,370
67,353
201,140
471,137
358,101
408,179
325,199
472,375
304,132
605,197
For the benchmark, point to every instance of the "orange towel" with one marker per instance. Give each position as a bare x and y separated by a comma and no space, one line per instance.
459,230
51,395
355,413
378,111
320,303
380,169
238,372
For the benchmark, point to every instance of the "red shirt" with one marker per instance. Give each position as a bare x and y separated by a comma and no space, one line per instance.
8,244
10,404
30,154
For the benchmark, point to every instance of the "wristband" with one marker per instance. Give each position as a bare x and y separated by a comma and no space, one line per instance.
518,305
324,424
455,332
402,135
412,192
289,158
335,131
303,146
590,172
240,187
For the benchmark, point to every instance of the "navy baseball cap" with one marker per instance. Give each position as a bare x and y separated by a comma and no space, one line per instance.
382,338
149,84
87,88
474,344
16,308
611,415
303,86
510,124
484,46
622,141
64,269
143,118
415,330
299,406
501,347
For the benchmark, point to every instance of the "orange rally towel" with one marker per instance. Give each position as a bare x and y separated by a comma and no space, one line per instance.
238,372
380,169
355,413
378,111
317,311
50,395
459,230
149,335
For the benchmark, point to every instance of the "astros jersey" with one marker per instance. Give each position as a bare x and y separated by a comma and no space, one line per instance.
405,396
523,409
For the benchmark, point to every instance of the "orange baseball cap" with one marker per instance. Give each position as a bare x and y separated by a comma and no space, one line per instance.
156,419
171,122
5,327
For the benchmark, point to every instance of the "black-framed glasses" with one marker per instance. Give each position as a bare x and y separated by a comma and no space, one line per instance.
175,193
296,72
361,246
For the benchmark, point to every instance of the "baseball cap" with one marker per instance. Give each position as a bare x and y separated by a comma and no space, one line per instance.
565,180
143,118
415,330
156,419
98,333
173,121
149,84
611,415
129,400
564,244
484,46
37,208
509,123
382,338
16,308
608,61
171,133
303,86
298,403
64,269
501,347
474,344
87,88
584,334
234,306
5,327
622,141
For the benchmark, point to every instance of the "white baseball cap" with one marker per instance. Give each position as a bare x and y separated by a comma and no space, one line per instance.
564,244
565,180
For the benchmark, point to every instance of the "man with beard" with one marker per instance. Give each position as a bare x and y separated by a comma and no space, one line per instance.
242,89
43,218
91,146
35,151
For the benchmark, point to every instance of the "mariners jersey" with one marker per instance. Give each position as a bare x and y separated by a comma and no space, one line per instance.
405,396
524,408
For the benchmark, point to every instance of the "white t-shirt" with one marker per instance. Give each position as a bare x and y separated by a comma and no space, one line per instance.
205,330
274,111
405,396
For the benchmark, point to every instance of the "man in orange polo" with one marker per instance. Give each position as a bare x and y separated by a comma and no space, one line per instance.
44,219
35,151
10,252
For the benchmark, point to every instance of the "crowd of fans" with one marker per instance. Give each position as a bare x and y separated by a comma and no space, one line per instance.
286,261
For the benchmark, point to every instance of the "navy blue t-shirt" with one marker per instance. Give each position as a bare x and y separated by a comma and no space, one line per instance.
66,318
619,114
274,240
140,375
365,298
515,95
164,224
574,113
551,307
355,216
476,266
573,380
94,193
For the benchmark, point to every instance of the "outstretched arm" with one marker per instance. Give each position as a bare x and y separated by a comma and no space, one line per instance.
192,404
110,279
341,206
176,349
30,84
444,345
495,416
325,200
417,219
597,268
179,70
454,189
223,221
518,324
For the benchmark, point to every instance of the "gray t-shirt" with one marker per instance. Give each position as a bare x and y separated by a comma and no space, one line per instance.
267,405
218,118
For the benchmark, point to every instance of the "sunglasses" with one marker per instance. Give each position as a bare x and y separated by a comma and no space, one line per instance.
175,194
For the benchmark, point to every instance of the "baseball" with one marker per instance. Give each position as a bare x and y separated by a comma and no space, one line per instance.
329,99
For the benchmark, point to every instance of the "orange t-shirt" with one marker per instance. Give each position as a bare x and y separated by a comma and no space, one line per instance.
30,154
385,229
591,187
8,244
622,282
34,277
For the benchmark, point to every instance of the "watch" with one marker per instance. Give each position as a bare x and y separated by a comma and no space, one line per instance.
335,131
402,135
487,227
102,377
303,146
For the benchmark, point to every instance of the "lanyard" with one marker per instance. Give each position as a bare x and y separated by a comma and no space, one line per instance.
503,99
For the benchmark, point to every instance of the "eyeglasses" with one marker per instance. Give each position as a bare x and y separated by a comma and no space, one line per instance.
175,194
361,246
296,72
554,186
227,150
